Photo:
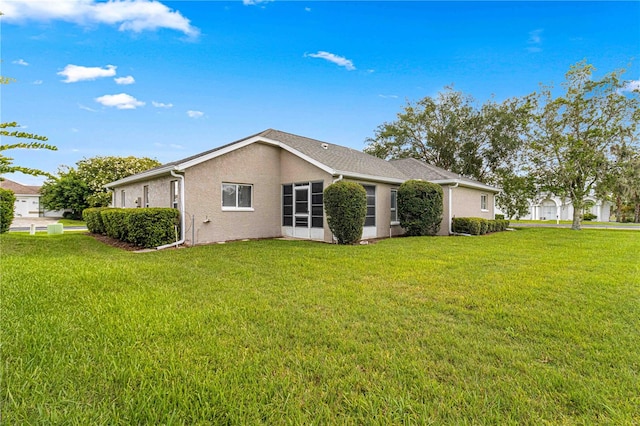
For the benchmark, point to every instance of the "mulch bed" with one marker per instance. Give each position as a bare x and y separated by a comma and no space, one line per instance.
114,243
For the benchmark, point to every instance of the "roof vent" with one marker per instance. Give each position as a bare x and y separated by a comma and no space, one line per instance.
324,146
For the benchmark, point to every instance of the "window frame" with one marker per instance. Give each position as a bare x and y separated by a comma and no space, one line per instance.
174,193
484,202
371,204
145,196
237,197
394,207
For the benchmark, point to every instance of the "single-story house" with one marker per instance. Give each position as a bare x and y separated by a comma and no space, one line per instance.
271,185
28,200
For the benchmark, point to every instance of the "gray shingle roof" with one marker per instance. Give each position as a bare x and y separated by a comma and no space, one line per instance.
339,159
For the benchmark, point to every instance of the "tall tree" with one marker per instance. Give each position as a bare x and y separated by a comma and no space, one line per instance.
573,135
451,132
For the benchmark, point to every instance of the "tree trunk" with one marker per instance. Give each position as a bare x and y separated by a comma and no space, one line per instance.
636,218
618,209
577,203
577,215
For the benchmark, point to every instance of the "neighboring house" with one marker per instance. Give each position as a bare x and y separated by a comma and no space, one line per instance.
28,200
552,207
271,185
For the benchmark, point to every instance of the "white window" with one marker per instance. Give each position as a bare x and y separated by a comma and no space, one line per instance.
394,206
145,196
484,206
122,198
237,196
175,193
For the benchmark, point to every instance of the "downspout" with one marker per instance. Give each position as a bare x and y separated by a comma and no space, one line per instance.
338,179
182,218
451,205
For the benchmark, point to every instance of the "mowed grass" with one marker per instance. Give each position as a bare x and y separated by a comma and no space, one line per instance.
528,327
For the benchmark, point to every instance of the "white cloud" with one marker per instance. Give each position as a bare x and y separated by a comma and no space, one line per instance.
388,96
124,80
307,9
161,105
21,62
38,82
176,146
75,73
195,114
120,101
255,2
338,60
631,86
535,41
136,16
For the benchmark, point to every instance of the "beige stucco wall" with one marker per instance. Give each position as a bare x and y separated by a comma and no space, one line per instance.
159,193
257,165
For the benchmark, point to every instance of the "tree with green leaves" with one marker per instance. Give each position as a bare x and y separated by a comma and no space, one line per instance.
571,143
517,192
83,186
452,132
68,191
622,182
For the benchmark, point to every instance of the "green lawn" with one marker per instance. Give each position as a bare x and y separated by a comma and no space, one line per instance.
533,326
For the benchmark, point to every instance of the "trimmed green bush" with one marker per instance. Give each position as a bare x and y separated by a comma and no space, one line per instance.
467,225
346,206
144,227
477,225
114,223
499,217
420,207
93,218
7,204
589,216
152,227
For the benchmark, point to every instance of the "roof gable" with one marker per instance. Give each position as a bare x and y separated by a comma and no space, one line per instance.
18,188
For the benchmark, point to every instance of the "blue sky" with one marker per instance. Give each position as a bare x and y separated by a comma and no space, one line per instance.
173,78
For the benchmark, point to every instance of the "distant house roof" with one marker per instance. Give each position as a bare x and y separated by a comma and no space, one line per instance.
334,159
18,188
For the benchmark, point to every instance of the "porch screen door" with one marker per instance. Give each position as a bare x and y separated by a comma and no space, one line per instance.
301,211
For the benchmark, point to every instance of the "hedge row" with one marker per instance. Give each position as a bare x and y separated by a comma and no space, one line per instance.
146,227
477,225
